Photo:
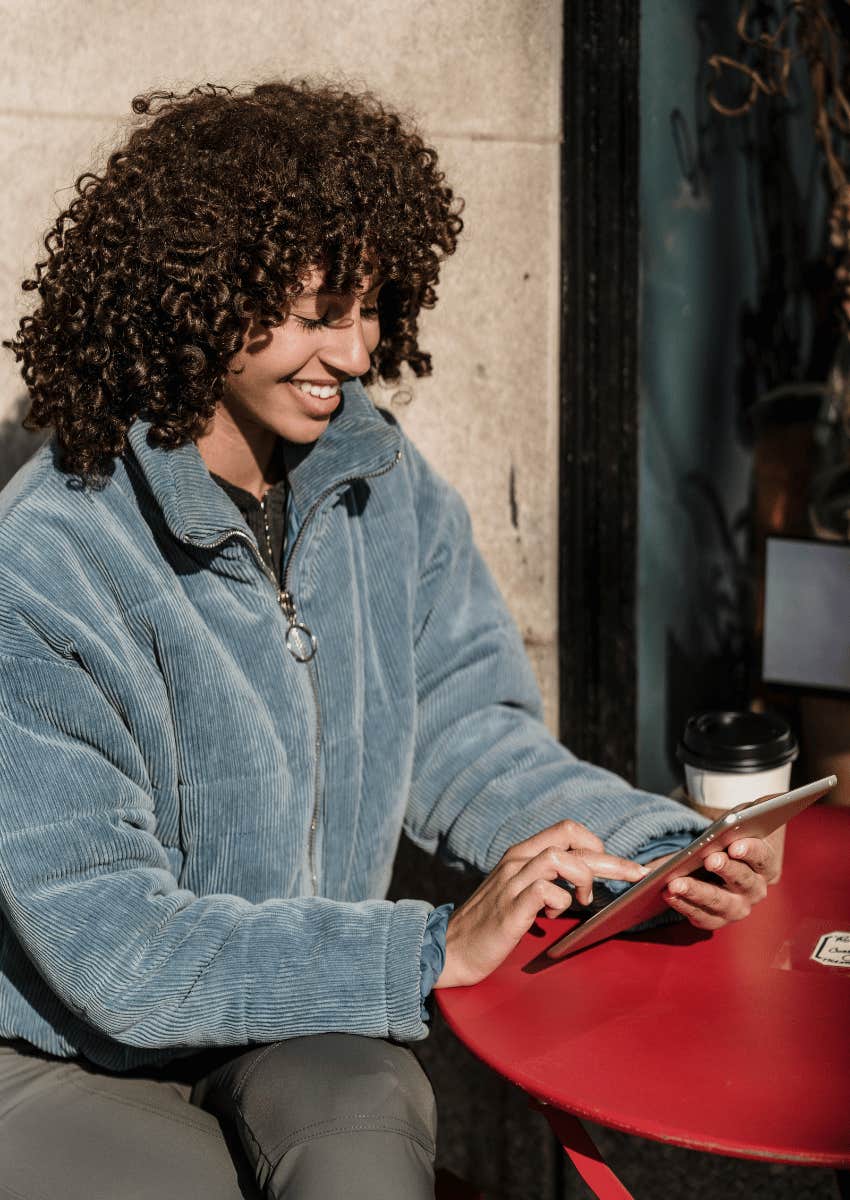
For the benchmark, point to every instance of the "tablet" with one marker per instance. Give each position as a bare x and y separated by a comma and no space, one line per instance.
643,900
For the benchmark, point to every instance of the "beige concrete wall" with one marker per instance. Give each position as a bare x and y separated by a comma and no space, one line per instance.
482,78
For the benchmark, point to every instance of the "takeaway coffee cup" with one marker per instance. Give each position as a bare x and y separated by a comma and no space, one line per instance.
734,757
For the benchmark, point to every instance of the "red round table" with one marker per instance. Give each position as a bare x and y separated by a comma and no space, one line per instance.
736,1043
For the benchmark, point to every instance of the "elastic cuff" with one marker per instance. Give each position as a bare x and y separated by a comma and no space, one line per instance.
433,957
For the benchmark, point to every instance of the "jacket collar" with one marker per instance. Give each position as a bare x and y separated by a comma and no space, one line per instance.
357,442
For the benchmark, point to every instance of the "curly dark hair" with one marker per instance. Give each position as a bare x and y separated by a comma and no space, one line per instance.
209,216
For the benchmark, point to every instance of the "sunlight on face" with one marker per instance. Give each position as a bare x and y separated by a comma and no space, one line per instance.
286,380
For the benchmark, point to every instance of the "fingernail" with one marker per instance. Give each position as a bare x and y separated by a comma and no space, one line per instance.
715,862
678,887
643,870
738,849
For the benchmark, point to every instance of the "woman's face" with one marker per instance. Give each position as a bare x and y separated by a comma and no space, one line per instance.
286,380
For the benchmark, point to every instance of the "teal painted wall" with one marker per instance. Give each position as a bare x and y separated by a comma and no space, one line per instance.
696,271
707,262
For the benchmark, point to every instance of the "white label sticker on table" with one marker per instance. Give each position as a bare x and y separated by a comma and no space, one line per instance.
833,950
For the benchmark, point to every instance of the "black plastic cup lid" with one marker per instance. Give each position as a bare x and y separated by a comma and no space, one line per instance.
737,741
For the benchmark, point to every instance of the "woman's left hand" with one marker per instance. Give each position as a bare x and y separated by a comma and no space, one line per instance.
743,872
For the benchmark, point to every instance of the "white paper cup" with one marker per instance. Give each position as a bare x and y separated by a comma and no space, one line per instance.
722,790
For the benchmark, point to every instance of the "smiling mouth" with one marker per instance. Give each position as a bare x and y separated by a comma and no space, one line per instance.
320,391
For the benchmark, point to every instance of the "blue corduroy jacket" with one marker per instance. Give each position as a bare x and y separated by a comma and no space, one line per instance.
197,829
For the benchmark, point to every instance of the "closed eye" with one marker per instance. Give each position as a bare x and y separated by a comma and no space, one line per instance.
368,313
309,323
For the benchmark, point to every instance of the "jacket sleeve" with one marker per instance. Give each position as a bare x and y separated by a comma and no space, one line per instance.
87,890
487,773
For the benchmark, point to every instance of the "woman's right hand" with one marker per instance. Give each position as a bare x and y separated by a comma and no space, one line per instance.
484,930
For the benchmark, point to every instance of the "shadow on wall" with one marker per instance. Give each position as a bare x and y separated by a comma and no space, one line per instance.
17,444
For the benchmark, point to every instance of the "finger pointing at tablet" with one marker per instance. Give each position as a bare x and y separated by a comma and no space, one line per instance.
484,930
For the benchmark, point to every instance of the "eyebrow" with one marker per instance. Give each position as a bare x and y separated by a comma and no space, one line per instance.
323,292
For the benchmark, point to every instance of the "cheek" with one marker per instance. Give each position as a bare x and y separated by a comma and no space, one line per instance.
252,378
291,350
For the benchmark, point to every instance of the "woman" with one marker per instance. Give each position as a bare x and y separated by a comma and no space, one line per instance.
247,638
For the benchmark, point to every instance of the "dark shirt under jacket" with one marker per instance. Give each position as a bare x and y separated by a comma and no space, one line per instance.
272,508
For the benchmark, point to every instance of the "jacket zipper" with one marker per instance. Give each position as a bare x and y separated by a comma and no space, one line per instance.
287,604
285,598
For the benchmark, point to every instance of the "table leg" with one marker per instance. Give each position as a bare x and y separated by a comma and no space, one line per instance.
585,1156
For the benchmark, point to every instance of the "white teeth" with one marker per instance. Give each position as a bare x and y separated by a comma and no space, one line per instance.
322,393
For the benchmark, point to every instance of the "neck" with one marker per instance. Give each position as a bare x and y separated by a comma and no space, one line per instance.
243,454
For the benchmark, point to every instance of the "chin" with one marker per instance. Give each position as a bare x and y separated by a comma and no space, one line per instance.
304,434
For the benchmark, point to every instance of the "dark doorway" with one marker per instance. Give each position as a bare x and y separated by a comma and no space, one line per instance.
599,381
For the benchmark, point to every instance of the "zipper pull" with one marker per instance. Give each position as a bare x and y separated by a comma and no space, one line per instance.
300,641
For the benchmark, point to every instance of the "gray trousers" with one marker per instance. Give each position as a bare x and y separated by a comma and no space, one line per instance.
328,1116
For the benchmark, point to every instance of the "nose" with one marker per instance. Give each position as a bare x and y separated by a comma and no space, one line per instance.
348,351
